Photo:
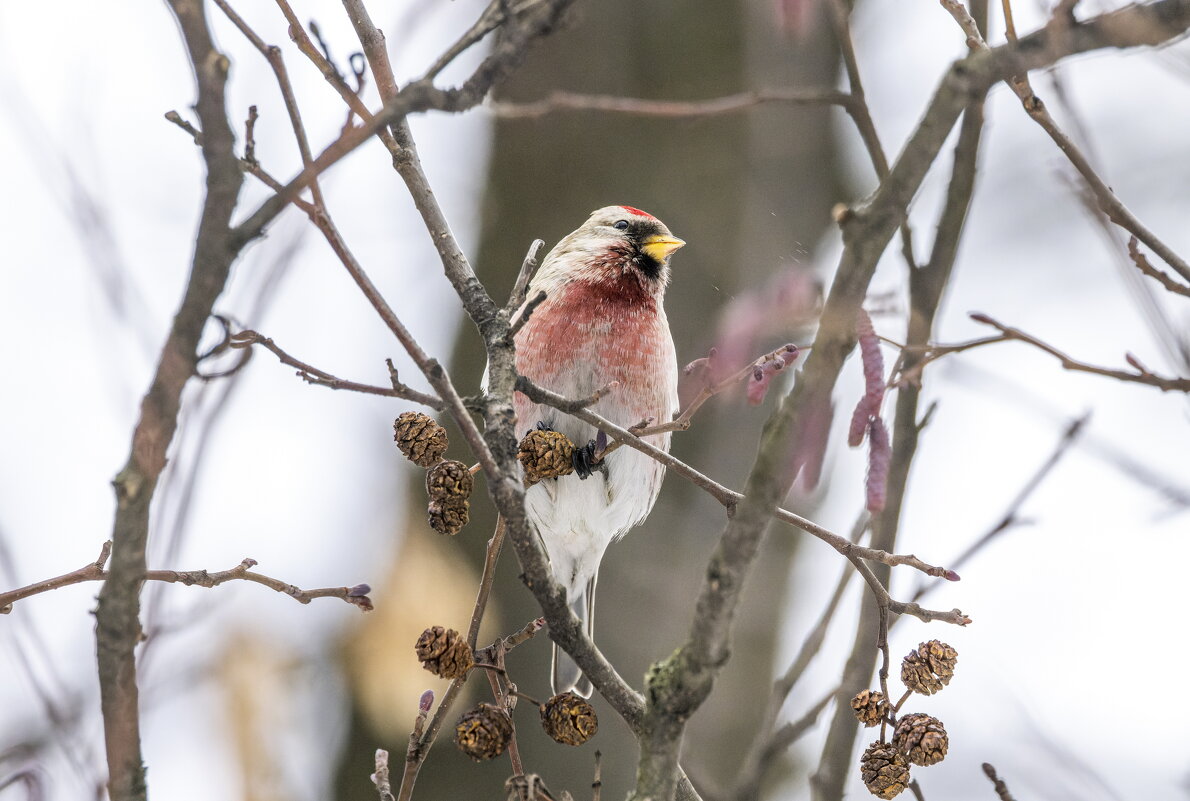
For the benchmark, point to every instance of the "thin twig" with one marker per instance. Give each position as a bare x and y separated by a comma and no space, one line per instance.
276,60
727,497
1142,264
1142,375
247,338
491,555
93,571
1105,198
711,107
186,126
998,783
524,277
381,778
861,115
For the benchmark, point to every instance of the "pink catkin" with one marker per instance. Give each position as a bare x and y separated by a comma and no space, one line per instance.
869,348
868,407
859,423
879,457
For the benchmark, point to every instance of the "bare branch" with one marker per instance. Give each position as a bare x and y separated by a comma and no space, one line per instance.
528,270
381,777
177,120
638,107
861,115
1001,788
93,571
1142,375
118,614
312,375
1142,264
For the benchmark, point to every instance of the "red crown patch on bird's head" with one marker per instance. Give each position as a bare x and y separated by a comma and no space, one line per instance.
632,210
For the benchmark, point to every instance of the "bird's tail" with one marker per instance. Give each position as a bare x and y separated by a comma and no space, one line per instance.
566,675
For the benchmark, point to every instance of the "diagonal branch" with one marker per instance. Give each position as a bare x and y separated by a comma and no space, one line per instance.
1142,374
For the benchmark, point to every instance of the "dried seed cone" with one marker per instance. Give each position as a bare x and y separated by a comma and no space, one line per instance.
449,480
444,652
448,516
929,667
568,719
421,439
869,706
545,454
884,770
921,738
483,733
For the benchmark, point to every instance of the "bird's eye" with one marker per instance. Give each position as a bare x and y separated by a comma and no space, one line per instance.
621,224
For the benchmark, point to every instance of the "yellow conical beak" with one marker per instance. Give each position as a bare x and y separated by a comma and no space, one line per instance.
659,246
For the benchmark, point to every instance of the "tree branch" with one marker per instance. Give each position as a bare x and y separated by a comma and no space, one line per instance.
117,615
93,571
558,102
1142,375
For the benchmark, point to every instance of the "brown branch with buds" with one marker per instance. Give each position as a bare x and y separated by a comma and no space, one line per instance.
1002,791
312,375
1142,374
94,571
1061,26
730,498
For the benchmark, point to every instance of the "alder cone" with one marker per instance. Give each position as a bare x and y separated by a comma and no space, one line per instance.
929,667
483,732
420,438
921,738
448,516
449,480
884,770
444,652
545,454
569,719
869,706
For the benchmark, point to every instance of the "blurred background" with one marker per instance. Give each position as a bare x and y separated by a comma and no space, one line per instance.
1070,676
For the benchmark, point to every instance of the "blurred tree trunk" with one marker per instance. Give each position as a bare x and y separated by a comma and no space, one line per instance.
749,192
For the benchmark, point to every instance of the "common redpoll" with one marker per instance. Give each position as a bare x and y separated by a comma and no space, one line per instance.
602,321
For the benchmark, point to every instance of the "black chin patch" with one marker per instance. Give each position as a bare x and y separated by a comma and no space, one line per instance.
648,265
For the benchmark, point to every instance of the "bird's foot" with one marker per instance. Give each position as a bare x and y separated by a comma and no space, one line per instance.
584,461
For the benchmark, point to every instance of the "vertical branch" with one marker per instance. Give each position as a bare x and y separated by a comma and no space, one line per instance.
926,286
117,616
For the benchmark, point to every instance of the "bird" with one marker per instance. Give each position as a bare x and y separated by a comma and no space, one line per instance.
602,321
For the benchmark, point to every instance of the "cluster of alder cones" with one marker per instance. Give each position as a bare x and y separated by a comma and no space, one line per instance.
448,483
917,739
543,454
484,731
